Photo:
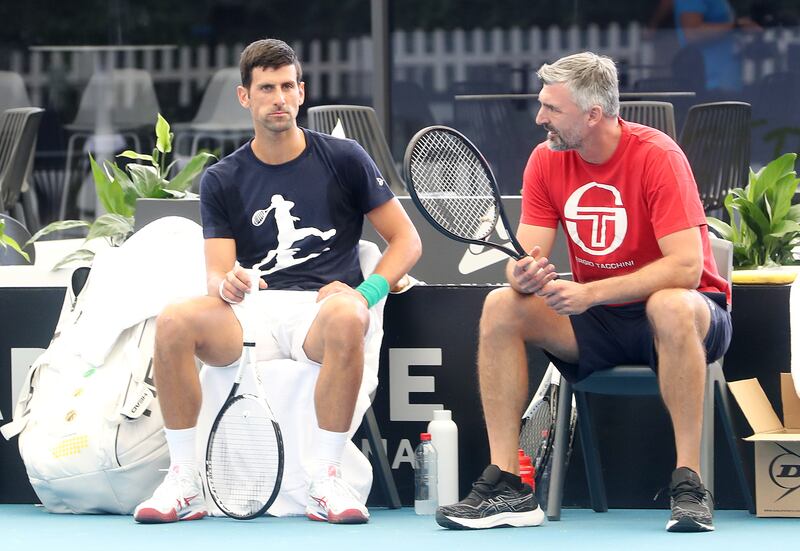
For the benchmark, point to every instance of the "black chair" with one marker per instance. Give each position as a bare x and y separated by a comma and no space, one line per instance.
19,233
716,140
655,114
642,381
18,130
360,123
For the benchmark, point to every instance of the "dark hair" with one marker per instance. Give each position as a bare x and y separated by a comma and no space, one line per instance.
268,53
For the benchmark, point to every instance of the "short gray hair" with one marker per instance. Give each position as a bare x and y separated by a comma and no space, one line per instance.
591,78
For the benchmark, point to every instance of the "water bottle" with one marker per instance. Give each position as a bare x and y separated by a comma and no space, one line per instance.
425,501
444,435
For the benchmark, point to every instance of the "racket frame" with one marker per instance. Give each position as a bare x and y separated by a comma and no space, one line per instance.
518,252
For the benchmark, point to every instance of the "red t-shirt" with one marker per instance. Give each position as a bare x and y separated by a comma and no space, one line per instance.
613,213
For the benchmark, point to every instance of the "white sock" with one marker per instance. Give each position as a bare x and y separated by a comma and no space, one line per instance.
181,444
328,449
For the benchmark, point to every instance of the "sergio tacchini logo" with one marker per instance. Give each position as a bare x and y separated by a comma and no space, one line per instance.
599,216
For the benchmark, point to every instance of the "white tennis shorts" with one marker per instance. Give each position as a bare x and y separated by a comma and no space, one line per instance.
280,321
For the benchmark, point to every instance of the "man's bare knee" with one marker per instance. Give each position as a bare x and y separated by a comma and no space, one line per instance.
673,314
173,324
499,314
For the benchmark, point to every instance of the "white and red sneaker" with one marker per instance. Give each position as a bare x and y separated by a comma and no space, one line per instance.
179,497
331,499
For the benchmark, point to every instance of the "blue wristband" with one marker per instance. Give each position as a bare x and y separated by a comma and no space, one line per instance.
374,288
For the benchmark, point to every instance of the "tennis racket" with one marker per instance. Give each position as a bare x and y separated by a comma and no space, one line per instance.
453,187
244,456
537,432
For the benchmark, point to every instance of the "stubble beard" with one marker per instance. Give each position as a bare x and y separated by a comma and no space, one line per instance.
560,142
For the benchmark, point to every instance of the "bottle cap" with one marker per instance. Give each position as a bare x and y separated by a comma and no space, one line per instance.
520,453
425,436
442,415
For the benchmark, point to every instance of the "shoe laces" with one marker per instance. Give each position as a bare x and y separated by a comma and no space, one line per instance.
338,486
685,491
174,484
482,487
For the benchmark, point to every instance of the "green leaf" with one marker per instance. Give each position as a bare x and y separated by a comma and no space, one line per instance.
147,181
128,154
773,172
753,217
110,193
163,137
785,227
112,226
784,191
7,240
724,230
57,226
794,213
183,180
81,255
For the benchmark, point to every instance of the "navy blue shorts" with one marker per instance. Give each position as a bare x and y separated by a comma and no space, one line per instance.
609,336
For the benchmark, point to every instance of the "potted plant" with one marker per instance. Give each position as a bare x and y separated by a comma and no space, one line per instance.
765,226
146,176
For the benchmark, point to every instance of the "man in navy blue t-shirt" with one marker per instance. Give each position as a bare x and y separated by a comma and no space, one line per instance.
290,204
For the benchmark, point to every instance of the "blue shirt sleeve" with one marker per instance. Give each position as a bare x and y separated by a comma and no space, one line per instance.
363,178
212,208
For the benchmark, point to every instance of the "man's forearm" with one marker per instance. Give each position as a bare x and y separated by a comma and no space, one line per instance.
400,256
664,273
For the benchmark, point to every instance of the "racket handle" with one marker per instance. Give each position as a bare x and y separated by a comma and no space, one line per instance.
255,277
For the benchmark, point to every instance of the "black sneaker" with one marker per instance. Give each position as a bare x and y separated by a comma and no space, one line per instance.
692,505
497,499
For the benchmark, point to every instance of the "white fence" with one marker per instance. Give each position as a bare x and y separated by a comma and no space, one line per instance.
434,59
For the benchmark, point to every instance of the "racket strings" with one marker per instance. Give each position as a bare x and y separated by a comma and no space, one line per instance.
244,458
453,185
535,434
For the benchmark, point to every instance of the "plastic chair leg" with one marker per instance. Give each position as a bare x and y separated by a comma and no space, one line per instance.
707,432
558,475
380,461
591,457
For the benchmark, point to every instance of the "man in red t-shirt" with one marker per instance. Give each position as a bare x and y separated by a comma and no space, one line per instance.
645,286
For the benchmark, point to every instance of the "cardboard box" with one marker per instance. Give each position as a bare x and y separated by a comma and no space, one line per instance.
777,446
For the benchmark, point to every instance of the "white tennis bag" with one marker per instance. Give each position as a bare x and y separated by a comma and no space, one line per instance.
89,424
91,437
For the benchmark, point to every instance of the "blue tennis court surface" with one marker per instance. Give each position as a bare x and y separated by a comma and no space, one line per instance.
30,527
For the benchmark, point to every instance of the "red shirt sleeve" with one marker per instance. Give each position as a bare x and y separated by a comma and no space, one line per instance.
671,194
537,203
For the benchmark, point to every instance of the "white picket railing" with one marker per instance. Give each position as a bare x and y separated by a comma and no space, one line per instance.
435,59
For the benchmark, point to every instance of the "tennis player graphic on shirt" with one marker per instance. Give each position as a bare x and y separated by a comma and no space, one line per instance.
288,235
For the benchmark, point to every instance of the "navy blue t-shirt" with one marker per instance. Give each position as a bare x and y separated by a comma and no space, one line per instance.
299,222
